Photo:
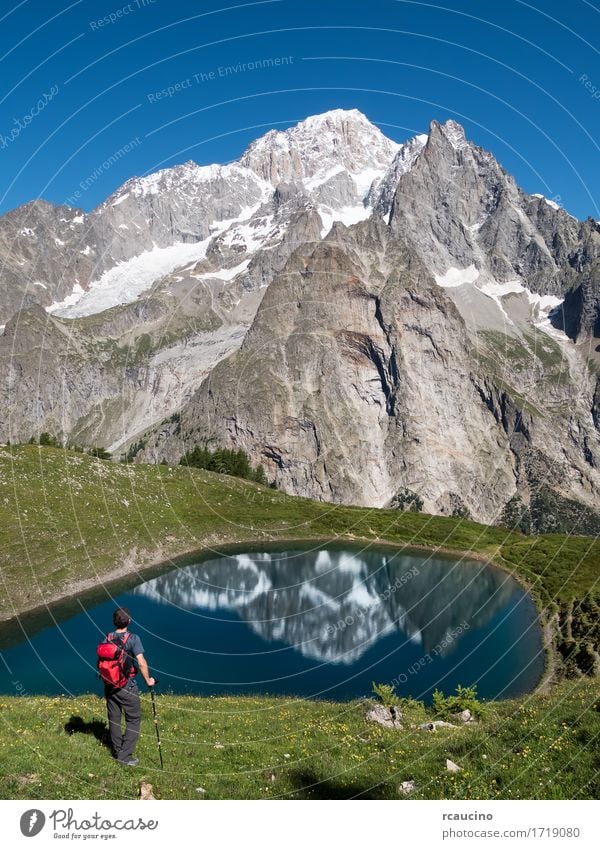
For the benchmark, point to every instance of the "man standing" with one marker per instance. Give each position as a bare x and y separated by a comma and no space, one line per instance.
126,699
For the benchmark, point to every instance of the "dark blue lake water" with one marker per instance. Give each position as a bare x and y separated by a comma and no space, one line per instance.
321,623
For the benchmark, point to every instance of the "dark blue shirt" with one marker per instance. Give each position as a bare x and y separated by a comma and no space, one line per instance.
133,646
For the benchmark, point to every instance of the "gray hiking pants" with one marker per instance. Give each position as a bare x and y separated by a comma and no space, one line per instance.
118,702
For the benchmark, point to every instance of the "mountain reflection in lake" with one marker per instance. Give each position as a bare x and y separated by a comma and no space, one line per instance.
324,623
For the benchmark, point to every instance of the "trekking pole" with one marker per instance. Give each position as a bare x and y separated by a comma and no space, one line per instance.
156,726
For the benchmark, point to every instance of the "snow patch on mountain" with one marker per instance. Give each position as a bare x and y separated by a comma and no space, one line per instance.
381,192
250,235
347,215
75,296
457,277
551,203
319,147
126,281
544,303
455,134
322,177
542,308
336,159
363,180
186,175
224,273
120,199
499,290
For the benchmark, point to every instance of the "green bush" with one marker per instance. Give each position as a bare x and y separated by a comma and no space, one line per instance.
516,516
579,639
260,476
133,449
386,694
406,703
464,699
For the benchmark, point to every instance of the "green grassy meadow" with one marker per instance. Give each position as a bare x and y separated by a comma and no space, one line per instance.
539,747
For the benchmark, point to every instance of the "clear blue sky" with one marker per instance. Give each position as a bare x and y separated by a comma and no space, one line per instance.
522,77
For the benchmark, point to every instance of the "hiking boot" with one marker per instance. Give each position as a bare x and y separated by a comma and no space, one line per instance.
129,762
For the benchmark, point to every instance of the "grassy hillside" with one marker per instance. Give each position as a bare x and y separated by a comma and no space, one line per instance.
545,747
68,518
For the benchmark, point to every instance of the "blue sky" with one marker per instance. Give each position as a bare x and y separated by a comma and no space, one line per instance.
78,92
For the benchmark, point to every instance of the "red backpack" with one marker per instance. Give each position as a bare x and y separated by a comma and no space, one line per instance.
115,664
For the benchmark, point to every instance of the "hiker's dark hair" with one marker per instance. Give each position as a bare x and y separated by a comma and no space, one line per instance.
121,617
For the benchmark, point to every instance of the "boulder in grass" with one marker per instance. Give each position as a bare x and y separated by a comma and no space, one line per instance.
465,716
147,792
388,717
452,767
437,723
407,787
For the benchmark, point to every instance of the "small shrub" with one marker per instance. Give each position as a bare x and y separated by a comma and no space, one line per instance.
409,703
386,694
260,476
176,420
465,698
133,449
516,516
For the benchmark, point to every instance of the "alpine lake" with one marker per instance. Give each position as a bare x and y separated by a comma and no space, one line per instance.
299,620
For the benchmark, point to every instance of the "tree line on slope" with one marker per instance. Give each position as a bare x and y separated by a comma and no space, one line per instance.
224,461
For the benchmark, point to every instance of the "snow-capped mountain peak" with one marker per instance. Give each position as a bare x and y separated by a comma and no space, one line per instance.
332,160
183,178
455,134
314,146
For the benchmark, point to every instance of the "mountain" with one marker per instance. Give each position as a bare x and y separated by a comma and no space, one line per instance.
148,291
375,323
83,263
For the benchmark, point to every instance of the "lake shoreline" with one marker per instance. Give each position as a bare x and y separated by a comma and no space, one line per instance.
146,568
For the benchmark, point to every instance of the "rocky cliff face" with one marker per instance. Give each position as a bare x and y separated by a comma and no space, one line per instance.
371,322
44,253
361,378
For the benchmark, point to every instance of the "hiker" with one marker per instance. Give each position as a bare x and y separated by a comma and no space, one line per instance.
120,657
